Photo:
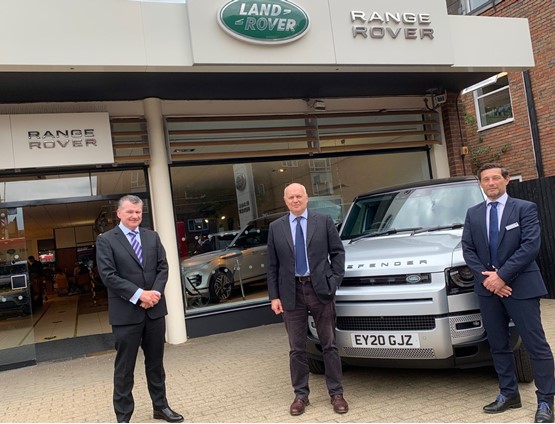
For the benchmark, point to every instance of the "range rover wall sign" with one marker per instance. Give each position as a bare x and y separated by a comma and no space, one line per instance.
264,21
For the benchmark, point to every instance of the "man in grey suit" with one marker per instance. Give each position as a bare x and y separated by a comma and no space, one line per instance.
501,240
132,264
306,263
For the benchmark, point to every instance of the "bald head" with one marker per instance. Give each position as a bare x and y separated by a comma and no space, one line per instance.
296,198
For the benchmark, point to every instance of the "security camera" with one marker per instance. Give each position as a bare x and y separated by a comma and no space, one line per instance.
316,104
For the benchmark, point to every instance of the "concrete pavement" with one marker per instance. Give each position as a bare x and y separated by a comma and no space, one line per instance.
244,377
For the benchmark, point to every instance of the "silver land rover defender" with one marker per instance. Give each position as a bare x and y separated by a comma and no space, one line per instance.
407,299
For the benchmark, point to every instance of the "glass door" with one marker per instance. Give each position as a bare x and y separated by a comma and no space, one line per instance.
20,292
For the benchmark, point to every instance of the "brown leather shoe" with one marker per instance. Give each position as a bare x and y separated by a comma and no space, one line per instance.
340,405
298,405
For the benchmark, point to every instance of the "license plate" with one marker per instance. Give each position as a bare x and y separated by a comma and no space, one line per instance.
387,340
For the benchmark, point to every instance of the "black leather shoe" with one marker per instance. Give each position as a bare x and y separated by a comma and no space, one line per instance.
168,415
503,403
544,414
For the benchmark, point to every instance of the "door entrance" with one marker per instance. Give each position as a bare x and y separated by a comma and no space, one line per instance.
20,293
63,236
49,288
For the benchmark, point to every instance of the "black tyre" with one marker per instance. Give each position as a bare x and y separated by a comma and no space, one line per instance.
316,367
523,365
220,286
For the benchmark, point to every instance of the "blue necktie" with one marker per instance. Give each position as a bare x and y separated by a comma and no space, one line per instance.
300,252
493,234
136,246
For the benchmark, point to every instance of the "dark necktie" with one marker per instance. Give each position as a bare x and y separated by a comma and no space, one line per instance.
493,233
136,246
300,252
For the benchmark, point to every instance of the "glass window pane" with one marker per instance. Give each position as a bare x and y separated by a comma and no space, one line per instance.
493,103
475,4
495,108
67,186
47,188
223,212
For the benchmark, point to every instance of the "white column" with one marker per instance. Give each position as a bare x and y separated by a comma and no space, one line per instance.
439,155
164,222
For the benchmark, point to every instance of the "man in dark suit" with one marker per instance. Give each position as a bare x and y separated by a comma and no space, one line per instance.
501,240
306,263
133,267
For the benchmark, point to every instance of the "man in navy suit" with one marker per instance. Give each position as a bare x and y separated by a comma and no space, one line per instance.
306,264
501,240
133,267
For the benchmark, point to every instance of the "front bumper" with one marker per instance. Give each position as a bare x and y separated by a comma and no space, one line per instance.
457,341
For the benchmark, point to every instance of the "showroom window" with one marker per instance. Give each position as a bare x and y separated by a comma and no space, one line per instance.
492,101
229,172
223,212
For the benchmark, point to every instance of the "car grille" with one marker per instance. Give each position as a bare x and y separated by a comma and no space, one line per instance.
474,330
389,353
387,280
399,323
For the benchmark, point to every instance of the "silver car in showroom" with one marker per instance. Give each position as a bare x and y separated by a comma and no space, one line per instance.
212,276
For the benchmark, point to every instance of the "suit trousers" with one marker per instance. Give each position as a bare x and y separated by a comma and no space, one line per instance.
525,313
150,336
296,321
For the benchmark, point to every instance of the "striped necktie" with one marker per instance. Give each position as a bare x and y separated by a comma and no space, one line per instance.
136,246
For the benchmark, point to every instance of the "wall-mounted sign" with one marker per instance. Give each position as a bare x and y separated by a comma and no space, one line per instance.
56,139
264,21
246,194
408,25
391,32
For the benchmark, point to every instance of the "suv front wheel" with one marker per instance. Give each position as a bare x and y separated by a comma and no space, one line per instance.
220,286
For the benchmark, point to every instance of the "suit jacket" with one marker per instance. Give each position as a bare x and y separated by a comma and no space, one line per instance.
326,259
519,245
123,275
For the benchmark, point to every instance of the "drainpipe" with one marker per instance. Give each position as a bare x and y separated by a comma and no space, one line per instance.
533,119
163,218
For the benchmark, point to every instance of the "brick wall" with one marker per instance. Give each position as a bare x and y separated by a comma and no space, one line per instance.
513,141
455,135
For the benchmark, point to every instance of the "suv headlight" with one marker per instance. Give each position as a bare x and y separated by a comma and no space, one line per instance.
459,280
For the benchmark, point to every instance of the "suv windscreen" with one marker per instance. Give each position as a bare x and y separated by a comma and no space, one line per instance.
252,235
411,209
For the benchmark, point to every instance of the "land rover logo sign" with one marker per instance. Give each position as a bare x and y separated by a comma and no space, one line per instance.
413,279
264,22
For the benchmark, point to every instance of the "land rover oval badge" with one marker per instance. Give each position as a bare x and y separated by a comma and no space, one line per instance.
413,279
264,21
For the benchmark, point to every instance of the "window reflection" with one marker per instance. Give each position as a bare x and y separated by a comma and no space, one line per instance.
493,103
42,189
45,187
216,203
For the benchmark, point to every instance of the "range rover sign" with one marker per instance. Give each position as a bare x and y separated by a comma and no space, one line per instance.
264,21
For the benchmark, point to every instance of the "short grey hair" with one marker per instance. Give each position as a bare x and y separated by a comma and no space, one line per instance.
131,198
